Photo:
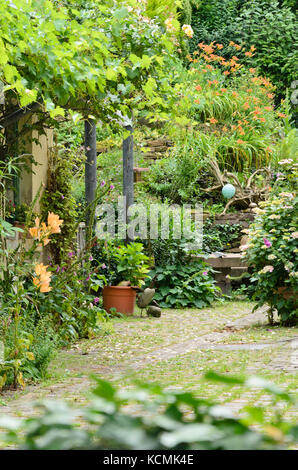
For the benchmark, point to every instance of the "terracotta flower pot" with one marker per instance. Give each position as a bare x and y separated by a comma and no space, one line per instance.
122,298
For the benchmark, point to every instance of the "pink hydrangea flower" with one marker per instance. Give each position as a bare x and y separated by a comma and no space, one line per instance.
267,242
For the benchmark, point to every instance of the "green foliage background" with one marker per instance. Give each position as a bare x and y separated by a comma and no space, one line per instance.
269,25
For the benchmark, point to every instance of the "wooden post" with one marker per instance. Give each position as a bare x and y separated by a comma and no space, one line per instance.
128,176
90,165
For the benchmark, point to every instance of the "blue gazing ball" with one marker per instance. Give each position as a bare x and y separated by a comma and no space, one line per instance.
228,191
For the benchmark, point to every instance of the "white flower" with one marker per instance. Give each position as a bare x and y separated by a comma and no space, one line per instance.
244,247
288,266
290,195
187,30
257,210
271,257
285,162
274,216
267,269
294,235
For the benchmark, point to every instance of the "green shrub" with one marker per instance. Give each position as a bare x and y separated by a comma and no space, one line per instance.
179,177
225,110
44,345
57,197
217,237
214,20
166,420
181,286
37,343
272,250
272,28
266,24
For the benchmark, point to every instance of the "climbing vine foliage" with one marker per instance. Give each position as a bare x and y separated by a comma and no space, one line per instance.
78,57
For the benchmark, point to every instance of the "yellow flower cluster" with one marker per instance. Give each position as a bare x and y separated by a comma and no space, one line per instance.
43,278
41,232
187,29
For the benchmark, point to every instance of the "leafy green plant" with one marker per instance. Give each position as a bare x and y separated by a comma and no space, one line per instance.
273,34
178,177
176,420
217,237
115,262
132,263
18,213
267,25
180,286
22,279
57,197
272,250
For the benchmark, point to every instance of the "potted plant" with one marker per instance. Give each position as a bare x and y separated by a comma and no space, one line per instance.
130,269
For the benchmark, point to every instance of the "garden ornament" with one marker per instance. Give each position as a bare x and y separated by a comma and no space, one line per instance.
228,191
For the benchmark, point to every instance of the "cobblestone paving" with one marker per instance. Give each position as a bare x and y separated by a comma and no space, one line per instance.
74,387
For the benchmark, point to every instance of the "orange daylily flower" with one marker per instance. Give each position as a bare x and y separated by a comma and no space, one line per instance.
270,96
219,46
239,141
281,115
198,88
43,278
42,232
54,222
208,49
213,120
252,70
248,54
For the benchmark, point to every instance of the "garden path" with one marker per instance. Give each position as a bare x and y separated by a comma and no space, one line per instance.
174,350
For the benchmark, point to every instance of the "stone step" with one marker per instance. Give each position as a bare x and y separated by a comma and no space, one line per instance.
227,260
